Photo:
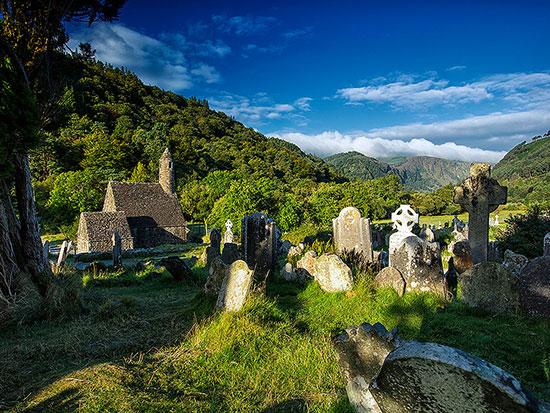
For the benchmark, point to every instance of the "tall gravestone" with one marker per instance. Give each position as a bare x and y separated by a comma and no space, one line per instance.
480,195
351,232
235,287
546,244
403,220
259,244
117,250
213,250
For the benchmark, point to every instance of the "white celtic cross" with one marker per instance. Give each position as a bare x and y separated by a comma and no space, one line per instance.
404,218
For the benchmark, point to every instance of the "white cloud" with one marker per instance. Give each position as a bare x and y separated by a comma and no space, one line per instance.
456,68
419,138
415,93
260,109
168,62
243,25
296,33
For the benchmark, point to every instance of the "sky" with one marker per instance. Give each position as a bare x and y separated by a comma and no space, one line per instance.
465,80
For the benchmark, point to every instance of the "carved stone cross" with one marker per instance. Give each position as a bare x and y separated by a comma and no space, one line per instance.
480,195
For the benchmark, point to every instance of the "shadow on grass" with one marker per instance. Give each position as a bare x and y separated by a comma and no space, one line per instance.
63,402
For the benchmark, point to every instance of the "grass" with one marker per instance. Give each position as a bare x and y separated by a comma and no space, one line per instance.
146,343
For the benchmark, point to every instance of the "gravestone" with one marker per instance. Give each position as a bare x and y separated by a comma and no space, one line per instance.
64,253
546,244
534,287
216,274
332,274
462,256
228,235
514,262
390,277
490,287
306,264
259,245
235,287
480,195
213,250
351,232
419,262
385,374
46,248
403,220
117,250
178,268
230,253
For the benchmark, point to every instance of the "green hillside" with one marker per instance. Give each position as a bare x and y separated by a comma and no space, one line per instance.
526,171
419,173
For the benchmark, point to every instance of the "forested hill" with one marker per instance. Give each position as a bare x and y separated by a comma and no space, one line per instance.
421,173
526,171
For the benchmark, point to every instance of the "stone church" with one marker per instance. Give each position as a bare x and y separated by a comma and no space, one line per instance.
145,214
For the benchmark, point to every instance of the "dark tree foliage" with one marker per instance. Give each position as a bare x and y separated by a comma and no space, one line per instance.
524,233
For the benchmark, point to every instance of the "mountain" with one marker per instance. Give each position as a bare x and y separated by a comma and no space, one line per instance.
526,171
420,173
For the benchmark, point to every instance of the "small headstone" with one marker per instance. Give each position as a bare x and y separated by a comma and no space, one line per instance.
514,262
490,287
385,374
216,274
534,287
213,250
546,244
462,256
403,219
177,268
390,277
351,232
497,222
259,244
230,253
228,235
289,274
332,273
480,195
307,263
117,250
419,262
235,287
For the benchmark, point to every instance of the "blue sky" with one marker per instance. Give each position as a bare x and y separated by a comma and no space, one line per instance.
460,80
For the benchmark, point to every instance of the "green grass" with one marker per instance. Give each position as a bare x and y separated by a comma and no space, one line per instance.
147,343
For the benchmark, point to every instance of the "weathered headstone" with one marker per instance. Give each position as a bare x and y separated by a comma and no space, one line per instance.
46,248
480,195
63,253
307,263
546,244
230,253
213,250
228,235
385,374
419,262
177,268
117,250
403,220
390,277
514,262
534,287
216,274
351,232
235,287
259,245
462,256
490,287
332,273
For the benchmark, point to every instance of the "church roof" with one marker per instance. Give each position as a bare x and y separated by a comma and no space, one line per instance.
145,204
101,226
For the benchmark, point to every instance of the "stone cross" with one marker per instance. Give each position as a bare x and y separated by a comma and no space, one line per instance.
351,232
403,219
228,235
117,250
480,195
546,244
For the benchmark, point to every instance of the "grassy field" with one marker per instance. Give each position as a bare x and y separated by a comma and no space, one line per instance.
146,343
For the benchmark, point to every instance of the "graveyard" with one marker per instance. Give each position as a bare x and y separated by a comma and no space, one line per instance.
289,207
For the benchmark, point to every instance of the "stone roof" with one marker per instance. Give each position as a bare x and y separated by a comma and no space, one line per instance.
102,225
145,204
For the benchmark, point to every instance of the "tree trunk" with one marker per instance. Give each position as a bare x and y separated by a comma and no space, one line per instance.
33,254
8,246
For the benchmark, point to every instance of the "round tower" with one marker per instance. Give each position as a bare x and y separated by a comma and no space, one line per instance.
167,176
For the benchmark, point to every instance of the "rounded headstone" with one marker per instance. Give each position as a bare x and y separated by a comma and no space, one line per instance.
390,277
332,273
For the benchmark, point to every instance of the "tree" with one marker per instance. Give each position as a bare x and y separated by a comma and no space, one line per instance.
31,32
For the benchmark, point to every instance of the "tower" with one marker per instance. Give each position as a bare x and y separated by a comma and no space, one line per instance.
167,178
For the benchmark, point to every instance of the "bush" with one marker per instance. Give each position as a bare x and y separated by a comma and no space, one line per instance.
524,234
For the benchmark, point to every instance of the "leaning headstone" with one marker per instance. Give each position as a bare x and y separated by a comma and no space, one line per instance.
403,220
514,262
235,287
385,374
63,253
480,195
259,245
546,244
228,235
216,274
419,262
332,273
351,232
390,277
534,287
490,287
117,250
